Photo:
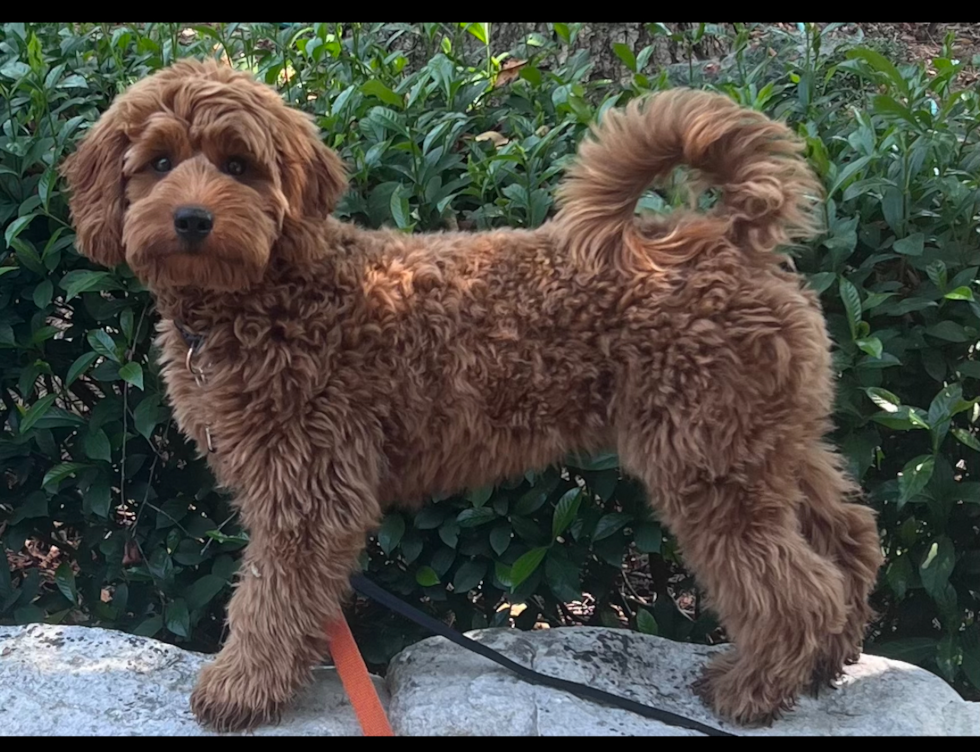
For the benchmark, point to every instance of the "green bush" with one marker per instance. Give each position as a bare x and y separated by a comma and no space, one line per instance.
93,465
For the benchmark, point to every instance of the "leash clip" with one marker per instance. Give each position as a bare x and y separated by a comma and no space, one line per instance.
193,349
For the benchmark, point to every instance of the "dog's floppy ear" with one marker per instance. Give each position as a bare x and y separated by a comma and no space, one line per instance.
95,181
313,176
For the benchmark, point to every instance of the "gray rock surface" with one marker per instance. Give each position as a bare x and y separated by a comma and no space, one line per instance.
85,681
81,681
438,688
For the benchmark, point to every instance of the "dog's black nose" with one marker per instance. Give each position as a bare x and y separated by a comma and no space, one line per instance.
193,223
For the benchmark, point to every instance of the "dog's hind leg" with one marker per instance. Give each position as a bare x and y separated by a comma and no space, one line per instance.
846,533
778,599
307,518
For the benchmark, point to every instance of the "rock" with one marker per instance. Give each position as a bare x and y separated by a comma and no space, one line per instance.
82,681
438,688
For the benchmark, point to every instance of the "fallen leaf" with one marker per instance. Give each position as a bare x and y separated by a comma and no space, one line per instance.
498,139
509,70
131,554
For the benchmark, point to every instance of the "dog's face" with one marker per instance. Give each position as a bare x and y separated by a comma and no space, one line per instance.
191,176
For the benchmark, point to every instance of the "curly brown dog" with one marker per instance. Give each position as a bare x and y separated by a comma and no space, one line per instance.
343,370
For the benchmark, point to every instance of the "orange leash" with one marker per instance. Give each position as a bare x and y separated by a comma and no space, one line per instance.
357,683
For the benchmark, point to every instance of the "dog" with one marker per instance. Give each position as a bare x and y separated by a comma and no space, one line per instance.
328,372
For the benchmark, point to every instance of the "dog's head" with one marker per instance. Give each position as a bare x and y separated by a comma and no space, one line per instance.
191,175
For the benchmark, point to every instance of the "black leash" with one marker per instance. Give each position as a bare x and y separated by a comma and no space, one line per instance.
368,589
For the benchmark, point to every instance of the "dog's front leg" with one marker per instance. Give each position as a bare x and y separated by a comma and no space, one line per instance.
293,578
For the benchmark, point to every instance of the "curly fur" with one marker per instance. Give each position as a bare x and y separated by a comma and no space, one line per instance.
347,370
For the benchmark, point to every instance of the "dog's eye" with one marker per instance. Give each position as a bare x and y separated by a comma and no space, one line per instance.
235,166
162,164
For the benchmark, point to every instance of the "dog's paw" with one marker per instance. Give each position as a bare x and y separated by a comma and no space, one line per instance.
838,652
227,700
733,697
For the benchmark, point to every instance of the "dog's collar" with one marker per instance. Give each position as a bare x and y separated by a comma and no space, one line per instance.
192,340
194,343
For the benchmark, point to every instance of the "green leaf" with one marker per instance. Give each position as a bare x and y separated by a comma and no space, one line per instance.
146,416
948,657
132,373
58,473
893,207
648,537
565,511
949,331
884,399
916,650
960,293
502,572
100,341
850,169
16,227
937,565
899,575
821,281
178,619
426,576
76,282
81,364
36,411
400,210
530,502
149,627
479,496
645,622
391,532
374,88
880,63
73,82
43,293
98,497
603,461
449,532
562,575
431,517
886,104
910,246
96,445
971,656
475,517
44,333
609,524
624,53
64,578
967,439
525,565
15,69
938,274
500,538
915,475
870,345
203,591
126,324
480,30
852,305
469,575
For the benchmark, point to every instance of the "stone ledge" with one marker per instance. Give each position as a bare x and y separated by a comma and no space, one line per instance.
82,681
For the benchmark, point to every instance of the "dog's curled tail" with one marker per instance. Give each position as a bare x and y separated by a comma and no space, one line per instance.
768,192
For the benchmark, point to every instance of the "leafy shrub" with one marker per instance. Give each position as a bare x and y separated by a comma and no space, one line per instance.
142,542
